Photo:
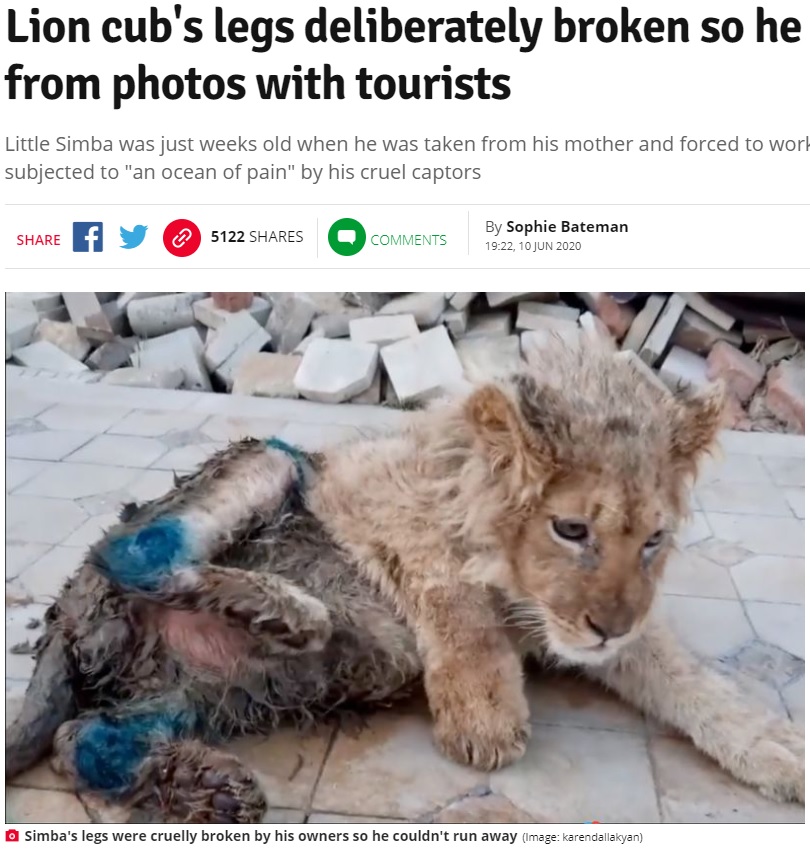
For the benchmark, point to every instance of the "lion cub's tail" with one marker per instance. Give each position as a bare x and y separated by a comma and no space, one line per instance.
49,702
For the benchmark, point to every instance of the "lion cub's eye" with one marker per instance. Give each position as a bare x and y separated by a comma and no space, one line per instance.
570,529
655,540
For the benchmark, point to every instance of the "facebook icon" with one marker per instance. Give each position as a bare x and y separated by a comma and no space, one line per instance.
88,237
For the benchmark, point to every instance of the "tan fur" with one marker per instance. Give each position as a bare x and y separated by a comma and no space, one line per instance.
452,520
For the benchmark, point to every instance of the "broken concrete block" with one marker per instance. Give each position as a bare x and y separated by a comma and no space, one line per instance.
63,335
238,338
424,366
165,313
382,330
208,314
658,339
741,373
594,328
335,370
20,327
617,317
336,325
307,341
501,299
683,368
182,350
371,301
534,343
698,334
290,320
460,300
106,297
325,302
456,321
425,307
644,370
784,396
534,315
40,302
706,309
489,324
486,358
643,323
158,379
373,395
45,355
112,355
268,375
124,299
92,322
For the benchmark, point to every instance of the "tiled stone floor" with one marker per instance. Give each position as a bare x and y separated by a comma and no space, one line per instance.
735,592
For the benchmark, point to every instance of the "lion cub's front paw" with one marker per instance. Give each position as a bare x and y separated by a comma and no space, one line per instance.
482,735
775,763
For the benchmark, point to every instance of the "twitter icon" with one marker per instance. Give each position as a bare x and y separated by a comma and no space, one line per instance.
133,238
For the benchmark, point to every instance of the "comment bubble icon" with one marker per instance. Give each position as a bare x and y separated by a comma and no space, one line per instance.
347,237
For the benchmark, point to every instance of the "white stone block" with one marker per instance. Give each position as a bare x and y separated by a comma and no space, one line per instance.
460,300
535,316
487,358
423,367
151,317
41,302
643,323
63,335
307,341
456,321
489,324
336,325
335,370
425,307
683,368
383,330
706,309
267,375
45,355
657,340
182,350
20,327
86,313
290,319
240,331
129,376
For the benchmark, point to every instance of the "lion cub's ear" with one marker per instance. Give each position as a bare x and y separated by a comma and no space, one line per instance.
500,428
696,421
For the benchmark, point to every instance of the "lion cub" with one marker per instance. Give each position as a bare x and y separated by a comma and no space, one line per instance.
536,517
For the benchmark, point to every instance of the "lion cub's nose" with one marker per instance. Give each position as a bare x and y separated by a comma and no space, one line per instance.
606,628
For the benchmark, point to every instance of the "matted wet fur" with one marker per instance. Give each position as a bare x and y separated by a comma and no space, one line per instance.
531,518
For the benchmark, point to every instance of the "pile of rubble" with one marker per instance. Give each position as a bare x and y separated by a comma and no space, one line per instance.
406,348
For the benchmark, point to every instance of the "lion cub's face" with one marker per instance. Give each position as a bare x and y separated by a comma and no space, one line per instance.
590,465
589,556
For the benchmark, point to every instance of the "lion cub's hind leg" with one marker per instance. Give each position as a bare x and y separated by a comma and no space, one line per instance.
280,618
145,758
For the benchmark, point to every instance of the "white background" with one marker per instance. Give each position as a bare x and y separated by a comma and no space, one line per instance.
561,90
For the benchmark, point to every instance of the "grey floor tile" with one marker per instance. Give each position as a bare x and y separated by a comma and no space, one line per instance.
575,775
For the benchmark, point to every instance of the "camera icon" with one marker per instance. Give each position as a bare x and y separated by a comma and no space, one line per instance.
12,835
